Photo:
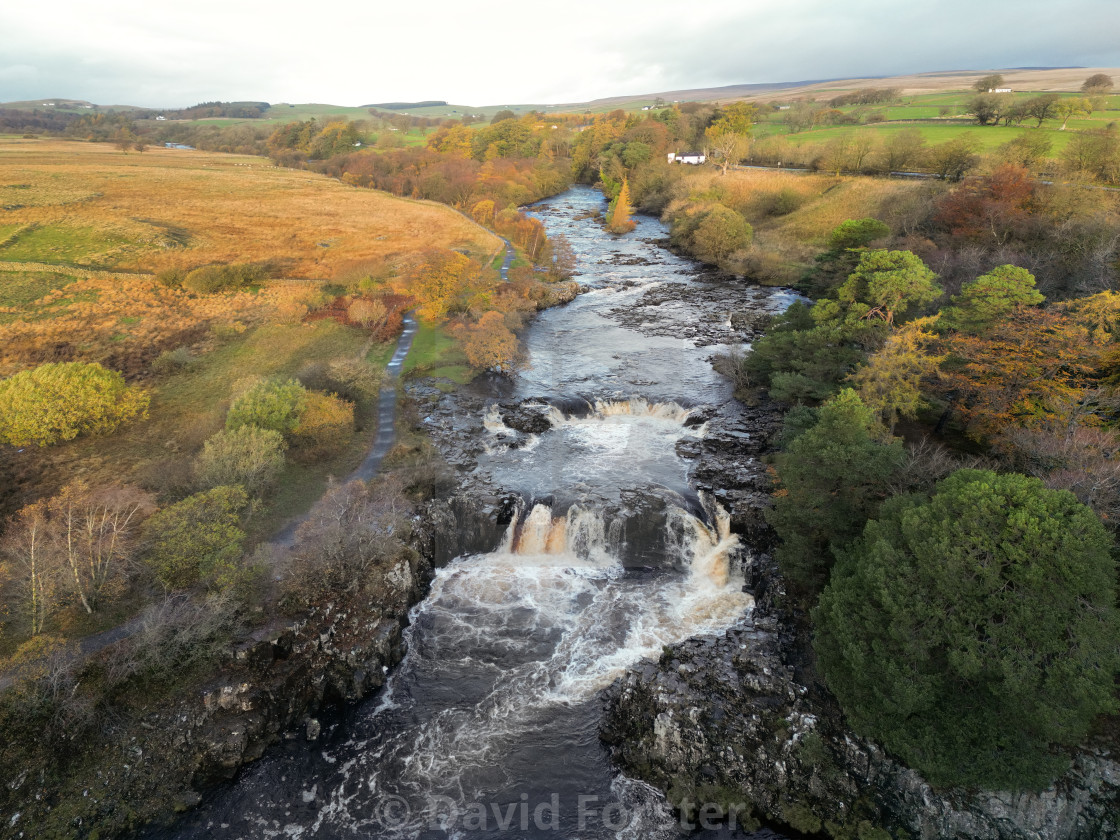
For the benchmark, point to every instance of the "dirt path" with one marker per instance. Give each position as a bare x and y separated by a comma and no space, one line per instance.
386,437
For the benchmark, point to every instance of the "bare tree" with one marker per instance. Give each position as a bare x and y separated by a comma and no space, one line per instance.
26,550
94,530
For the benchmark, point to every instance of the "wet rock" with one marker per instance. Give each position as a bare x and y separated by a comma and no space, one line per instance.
313,729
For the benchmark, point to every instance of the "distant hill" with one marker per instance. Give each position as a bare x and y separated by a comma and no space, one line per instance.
1020,78
406,106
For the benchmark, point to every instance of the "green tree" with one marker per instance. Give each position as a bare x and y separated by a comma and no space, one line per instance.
975,633
989,108
269,404
1042,108
59,401
199,538
248,455
991,297
832,479
886,284
987,83
1070,106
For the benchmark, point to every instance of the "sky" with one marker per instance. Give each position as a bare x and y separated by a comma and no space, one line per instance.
159,53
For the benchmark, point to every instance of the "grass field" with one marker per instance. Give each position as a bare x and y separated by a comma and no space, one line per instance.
989,137
82,225
85,204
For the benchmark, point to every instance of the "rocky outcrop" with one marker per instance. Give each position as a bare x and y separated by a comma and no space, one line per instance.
164,757
741,720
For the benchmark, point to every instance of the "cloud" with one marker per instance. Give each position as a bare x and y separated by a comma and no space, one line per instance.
497,51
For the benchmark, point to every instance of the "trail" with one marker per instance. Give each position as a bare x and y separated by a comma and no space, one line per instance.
382,443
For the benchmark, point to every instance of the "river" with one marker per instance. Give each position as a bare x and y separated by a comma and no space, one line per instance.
489,726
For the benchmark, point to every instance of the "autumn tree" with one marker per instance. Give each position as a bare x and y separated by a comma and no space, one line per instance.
992,208
891,383
325,427
248,456
1030,367
94,530
903,149
440,283
989,108
268,404
1042,108
974,633
1097,84
720,233
1027,150
491,345
59,401
990,298
618,215
955,158
371,314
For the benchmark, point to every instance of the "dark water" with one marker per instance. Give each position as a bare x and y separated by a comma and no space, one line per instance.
489,727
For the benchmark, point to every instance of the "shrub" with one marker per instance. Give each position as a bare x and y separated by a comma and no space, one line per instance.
172,278
58,401
856,233
268,404
197,539
325,425
351,532
249,456
219,278
355,380
367,313
975,632
173,361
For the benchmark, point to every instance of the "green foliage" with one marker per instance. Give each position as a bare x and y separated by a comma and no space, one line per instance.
803,360
975,632
249,456
221,278
720,233
832,477
199,538
59,401
711,232
269,404
856,233
990,298
886,284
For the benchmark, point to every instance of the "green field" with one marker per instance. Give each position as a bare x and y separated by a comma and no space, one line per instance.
435,353
61,243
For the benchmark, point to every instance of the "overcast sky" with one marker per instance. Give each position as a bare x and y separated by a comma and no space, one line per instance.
492,52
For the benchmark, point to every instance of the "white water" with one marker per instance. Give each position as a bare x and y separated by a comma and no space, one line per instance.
534,629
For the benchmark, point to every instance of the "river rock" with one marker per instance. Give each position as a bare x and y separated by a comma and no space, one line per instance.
743,719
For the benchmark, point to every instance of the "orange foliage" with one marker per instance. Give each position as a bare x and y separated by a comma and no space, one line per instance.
1026,371
491,345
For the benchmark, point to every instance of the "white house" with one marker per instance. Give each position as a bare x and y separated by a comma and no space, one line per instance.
692,158
999,90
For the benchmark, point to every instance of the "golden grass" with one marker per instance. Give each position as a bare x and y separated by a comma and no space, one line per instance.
96,206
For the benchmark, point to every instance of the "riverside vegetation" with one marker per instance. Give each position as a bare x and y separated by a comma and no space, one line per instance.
949,438
181,379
